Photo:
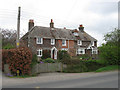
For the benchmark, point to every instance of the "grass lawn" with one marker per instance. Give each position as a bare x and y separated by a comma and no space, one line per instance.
107,68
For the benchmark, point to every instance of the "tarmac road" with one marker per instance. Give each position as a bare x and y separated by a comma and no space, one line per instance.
69,80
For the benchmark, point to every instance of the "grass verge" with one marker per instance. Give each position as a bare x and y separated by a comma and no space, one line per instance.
107,68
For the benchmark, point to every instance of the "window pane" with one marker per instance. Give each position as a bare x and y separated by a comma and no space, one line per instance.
63,42
81,52
40,52
37,52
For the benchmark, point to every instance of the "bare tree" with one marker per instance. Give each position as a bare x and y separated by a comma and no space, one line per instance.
8,36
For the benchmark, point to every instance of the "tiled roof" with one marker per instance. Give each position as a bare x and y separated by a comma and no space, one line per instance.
57,33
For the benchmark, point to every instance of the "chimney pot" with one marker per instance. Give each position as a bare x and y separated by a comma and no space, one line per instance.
51,24
51,20
31,20
81,28
30,24
81,25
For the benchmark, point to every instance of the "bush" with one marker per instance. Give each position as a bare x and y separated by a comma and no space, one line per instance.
48,60
93,65
18,59
76,65
71,61
83,57
46,54
109,53
81,67
63,55
34,60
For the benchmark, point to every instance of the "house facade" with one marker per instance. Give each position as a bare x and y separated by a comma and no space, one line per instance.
76,42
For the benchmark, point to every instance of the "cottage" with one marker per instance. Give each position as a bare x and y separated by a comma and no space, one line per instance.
75,42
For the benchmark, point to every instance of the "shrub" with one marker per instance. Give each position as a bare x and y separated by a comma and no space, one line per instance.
93,65
18,59
109,52
76,65
46,54
71,61
34,60
76,68
63,55
48,60
83,57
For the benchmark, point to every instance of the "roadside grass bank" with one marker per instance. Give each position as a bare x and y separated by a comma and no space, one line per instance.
107,68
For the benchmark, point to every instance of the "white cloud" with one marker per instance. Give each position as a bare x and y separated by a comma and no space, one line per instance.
98,16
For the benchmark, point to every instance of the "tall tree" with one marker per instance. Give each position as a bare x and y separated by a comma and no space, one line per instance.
110,50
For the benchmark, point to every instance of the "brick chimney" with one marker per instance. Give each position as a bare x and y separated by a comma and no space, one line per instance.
81,28
51,24
30,24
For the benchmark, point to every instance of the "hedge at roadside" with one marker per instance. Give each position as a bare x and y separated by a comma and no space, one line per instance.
75,65
18,59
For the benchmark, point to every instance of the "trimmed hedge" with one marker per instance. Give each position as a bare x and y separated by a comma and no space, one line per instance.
18,59
48,60
76,65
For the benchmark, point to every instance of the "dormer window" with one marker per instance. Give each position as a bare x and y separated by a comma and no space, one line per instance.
52,41
75,33
39,40
79,42
63,42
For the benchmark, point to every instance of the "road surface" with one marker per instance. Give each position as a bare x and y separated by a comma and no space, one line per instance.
66,80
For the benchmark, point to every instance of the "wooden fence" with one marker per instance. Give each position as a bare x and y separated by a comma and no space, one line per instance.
48,67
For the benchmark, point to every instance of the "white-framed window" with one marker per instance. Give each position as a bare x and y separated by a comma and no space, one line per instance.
75,33
94,52
39,40
93,44
80,51
39,52
79,42
52,41
64,49
63,42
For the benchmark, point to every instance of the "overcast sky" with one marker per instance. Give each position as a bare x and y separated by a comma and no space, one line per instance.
97,16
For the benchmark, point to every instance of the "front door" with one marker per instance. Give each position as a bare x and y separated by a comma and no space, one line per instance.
54,53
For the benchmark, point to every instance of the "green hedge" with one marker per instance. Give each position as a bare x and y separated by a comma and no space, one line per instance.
48,60
34,60
76,65
63,55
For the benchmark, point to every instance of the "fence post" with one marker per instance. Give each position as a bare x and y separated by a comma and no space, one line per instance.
61,67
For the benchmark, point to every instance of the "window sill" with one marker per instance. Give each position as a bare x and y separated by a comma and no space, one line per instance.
52,44
63,45
39,55
39,43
